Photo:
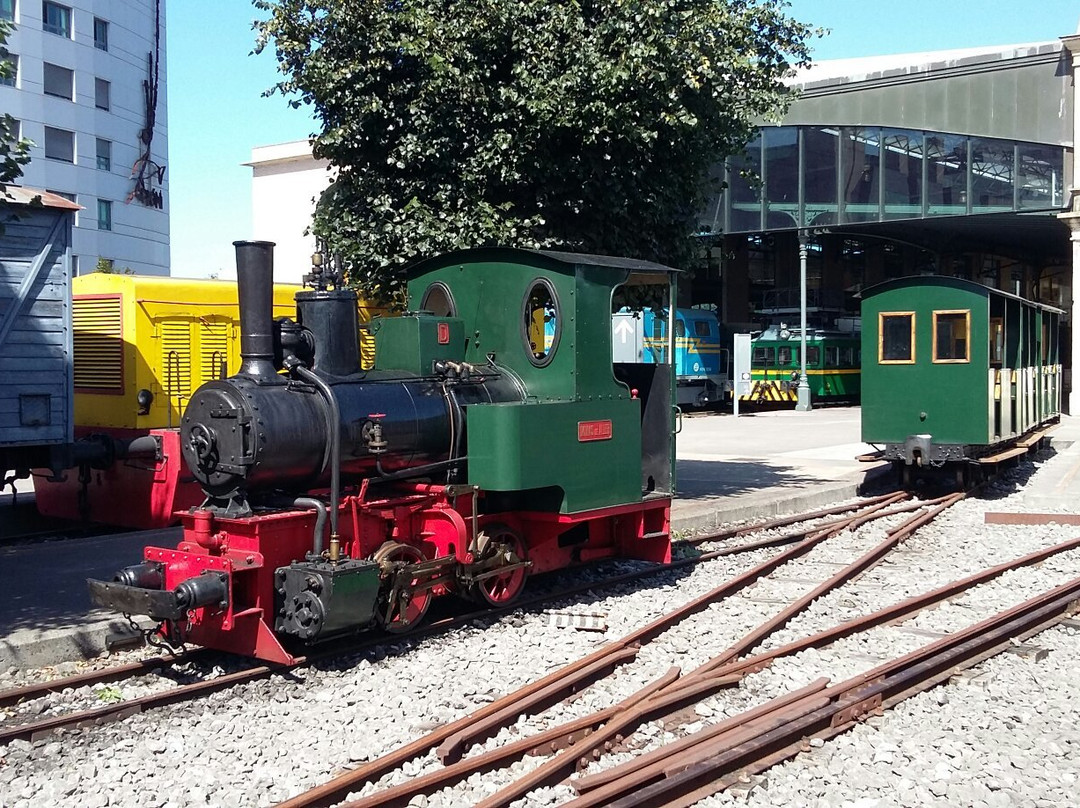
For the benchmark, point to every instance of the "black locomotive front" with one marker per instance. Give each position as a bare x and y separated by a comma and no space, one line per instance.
262,430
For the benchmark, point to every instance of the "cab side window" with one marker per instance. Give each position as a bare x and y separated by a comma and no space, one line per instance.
952,336
896,337
541,325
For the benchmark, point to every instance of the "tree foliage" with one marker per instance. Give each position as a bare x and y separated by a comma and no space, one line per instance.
14,151
588,125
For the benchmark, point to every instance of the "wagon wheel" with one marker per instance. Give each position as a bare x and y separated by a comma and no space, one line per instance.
502,543
399,610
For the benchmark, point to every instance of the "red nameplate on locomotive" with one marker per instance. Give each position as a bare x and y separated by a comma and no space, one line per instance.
593,430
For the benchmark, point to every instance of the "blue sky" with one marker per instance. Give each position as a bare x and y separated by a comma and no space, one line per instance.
217,112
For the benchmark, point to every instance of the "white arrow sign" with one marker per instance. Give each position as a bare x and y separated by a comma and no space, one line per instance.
623,329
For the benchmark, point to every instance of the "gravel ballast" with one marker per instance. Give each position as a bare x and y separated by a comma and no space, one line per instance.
1006,733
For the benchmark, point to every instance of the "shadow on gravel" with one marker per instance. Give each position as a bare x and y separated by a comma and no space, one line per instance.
1017,475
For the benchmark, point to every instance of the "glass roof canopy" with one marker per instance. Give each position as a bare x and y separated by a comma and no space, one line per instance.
793,177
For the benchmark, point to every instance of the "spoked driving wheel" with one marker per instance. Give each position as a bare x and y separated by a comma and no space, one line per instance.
401,608
503,566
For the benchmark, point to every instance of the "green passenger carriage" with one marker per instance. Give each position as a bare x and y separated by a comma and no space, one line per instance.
956,372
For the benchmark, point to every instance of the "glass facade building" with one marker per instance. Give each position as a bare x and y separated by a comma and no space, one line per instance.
793,177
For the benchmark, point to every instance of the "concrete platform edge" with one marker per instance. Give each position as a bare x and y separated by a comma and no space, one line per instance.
762,508
30,648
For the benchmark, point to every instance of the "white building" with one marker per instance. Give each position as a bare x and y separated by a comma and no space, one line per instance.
285,182
89,91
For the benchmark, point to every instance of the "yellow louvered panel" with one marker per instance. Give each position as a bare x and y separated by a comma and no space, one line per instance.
98,343
176,357
213,349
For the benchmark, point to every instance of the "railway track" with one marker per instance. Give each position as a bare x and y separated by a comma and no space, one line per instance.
710,759
635,683
20,702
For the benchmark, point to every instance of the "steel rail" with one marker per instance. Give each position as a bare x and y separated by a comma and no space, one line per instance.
104,676
117,673
339,787
599,731
557,739
890,614
691,779
601,788
626,723
627,718
121,710
894,537
784,521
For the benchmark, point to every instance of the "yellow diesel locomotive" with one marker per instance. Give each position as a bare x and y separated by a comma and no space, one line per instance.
141,346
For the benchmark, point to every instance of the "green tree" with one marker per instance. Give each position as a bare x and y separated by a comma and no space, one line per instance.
588,125
14,151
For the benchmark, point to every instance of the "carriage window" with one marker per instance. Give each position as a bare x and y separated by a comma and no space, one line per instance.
763,358
680,329
997,341
787,355
813,355
847,357
952,335
439,301
832,356
701,328
541,324
896,332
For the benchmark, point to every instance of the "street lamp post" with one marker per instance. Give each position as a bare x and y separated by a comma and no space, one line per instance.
803,403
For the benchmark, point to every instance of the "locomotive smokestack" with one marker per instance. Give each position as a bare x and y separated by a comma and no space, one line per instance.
255,282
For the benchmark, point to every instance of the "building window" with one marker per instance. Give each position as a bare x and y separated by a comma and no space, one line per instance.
59,144
56,19
7,10
101,93
11,68
58,81
101,34
104,214
952,336
896,338
104,154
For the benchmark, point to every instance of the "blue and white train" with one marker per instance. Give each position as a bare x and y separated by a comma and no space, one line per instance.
702,360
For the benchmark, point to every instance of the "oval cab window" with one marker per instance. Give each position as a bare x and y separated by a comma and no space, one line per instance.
439,301
541,322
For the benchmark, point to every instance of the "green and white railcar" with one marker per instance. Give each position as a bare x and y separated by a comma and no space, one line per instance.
956,372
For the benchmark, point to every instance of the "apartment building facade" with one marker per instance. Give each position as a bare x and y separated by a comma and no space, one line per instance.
90,91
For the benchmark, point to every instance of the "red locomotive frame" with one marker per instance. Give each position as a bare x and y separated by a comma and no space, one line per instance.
249,550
